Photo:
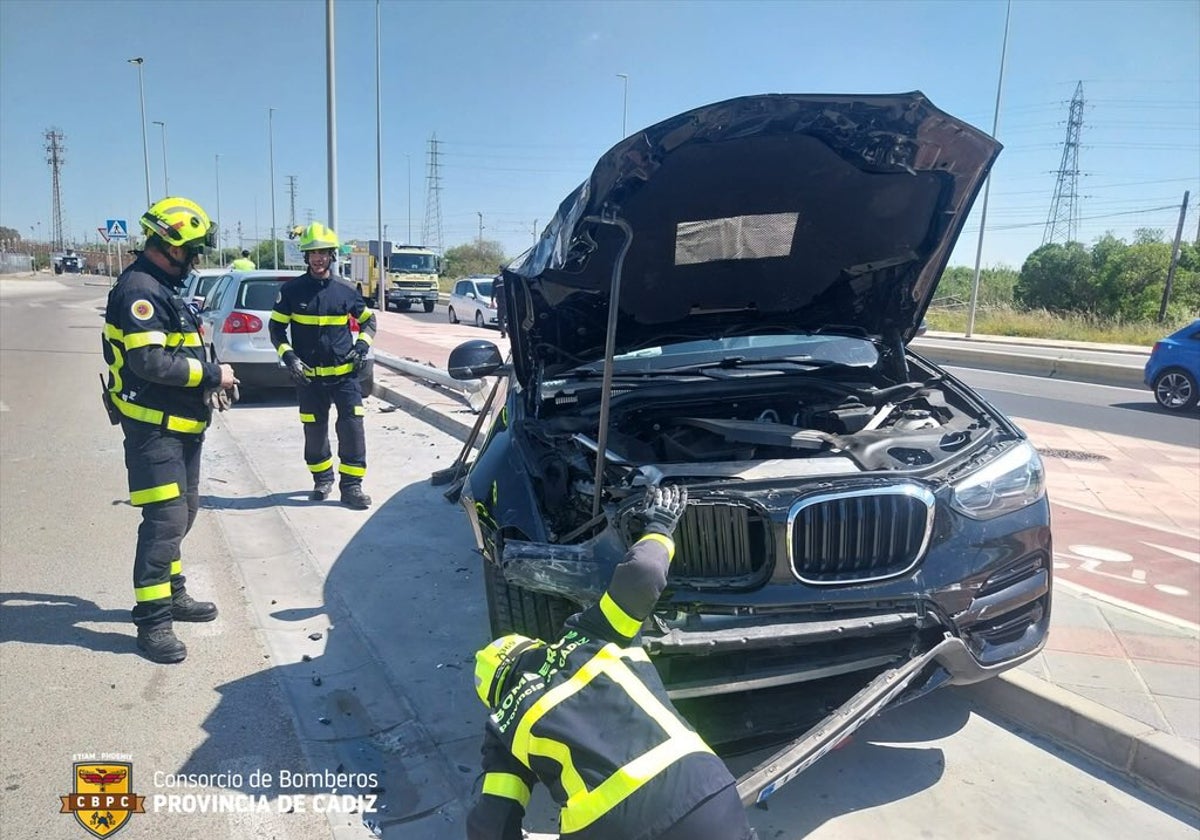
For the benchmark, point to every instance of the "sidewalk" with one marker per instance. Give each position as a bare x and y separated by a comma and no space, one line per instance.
1118,680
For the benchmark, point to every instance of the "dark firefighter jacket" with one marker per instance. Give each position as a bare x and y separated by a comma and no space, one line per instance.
319,312
589,717
156,368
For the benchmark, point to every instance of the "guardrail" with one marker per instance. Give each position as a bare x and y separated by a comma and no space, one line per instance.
470,388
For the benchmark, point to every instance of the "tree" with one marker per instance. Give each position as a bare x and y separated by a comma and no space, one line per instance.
1058,277
995,285
264,254
7,234
484,257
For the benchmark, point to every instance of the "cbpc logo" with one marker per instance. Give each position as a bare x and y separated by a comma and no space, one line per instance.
103,799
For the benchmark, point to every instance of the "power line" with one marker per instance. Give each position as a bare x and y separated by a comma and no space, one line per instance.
1064,208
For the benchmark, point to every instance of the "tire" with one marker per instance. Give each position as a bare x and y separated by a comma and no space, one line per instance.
387,306
429,304
479,322
450,314
358,288
404,307
512,609
1175,390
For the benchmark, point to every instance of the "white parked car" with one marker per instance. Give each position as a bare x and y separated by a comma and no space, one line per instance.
471,300
200,282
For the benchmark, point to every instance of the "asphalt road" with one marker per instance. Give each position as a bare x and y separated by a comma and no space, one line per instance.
1122,411
346,638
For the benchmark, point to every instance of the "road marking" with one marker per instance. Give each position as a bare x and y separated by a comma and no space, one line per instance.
1168,589
3,407
1126,519
1178,552
1101,554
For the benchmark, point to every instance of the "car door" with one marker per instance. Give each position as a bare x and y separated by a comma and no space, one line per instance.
210,316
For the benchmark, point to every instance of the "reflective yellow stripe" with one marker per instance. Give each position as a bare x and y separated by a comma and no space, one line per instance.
348,469
556,695
665,540
283,348
155,417
113,333
508,786
307,418
559,752
337,370
157,592
145,339
321,467
276,315
154,494
176,567
621,621
359,411
186,339
587,807
366,315
319,320
195,372
366,338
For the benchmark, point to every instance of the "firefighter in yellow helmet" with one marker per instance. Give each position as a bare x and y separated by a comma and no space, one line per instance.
588,716
324,357
160,390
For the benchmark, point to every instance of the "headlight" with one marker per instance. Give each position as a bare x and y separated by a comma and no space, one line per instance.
1012,481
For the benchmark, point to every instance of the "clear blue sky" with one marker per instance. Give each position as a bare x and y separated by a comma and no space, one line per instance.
525,97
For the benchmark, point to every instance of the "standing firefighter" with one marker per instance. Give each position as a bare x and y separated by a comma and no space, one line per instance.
324,360
159,390
588,716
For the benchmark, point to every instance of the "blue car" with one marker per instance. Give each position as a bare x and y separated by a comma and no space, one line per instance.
1174,368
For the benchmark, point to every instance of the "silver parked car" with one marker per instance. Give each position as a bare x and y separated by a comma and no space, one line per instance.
471,300
234,320
200,282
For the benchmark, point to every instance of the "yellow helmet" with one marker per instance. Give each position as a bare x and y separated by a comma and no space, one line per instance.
317,237
493,663
178,221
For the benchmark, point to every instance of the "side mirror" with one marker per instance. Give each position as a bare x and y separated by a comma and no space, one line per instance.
923,328
475,359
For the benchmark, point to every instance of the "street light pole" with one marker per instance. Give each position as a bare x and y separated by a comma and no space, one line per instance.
408,162
381,300
624,77
330,115
220,252
166,180
271,153
145,147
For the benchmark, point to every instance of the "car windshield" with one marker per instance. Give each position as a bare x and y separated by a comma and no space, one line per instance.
205,283
413,263
259,294
745,350
483,288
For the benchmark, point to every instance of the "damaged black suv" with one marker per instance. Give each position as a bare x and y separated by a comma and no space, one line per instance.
726,303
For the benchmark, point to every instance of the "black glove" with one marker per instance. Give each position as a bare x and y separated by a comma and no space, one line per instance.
357,355
495,818
664,507
296,368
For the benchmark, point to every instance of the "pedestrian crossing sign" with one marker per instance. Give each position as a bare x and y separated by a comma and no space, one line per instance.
117,229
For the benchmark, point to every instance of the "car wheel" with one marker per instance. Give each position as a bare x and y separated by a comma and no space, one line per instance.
404,307
387,306
1175,390
429,304
479,322
450,314
512,609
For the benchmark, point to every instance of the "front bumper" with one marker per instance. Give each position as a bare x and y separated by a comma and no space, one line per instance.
411,295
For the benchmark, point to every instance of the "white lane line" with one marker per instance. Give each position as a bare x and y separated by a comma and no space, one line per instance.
3,407
1180,553
1116,517
1182,623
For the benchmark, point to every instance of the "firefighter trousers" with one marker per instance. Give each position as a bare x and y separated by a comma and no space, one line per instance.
315,399
164,481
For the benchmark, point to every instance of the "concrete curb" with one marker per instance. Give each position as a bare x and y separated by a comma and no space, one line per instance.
1052,365
1134,749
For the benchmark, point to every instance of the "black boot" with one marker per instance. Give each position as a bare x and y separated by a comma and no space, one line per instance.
186,608
354,497
321,491
160,644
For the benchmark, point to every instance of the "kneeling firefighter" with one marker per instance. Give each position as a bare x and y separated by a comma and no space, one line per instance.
324,359
588,716
161,391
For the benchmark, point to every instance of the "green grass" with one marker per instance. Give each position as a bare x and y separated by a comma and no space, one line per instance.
1043,324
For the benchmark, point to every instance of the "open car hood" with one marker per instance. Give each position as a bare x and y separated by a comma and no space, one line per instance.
772,213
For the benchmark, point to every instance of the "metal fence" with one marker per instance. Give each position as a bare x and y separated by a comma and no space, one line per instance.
11,263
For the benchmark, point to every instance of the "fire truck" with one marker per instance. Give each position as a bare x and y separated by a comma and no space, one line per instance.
412,274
